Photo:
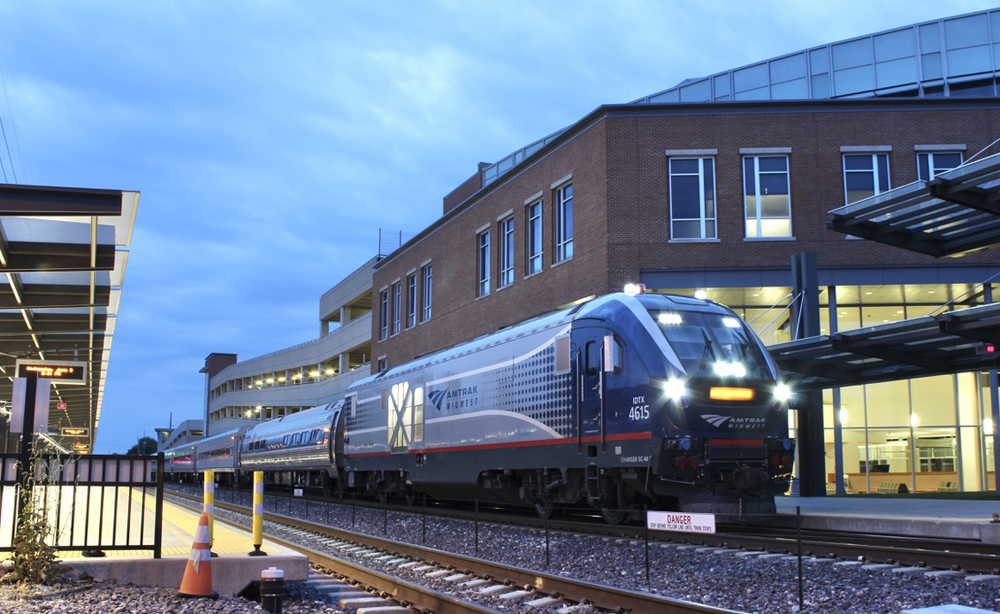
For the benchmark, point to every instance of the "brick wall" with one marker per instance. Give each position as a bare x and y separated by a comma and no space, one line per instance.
616,157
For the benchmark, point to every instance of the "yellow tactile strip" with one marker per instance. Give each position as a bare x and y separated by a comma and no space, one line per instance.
179,525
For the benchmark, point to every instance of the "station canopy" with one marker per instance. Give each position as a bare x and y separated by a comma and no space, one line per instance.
63,253
956,213
953,342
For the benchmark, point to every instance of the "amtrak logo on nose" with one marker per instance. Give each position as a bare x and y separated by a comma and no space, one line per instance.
715,420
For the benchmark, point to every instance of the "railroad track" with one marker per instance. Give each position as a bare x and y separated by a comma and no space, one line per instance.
491,582
932,553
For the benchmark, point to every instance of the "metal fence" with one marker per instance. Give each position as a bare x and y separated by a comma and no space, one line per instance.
92,503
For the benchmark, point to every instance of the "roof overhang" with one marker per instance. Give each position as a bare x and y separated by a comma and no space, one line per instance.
63,253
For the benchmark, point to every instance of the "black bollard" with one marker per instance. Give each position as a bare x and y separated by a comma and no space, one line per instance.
272,589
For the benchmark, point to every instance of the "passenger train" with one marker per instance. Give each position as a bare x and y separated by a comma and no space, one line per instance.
616,403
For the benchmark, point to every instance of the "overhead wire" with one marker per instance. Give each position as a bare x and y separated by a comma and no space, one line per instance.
3,130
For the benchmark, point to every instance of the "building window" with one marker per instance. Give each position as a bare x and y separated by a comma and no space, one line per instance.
765,188
506,253
692,198
564,222
382,364
483,276
397,306
428,292
411,300
383,315
865,175
534,238
932,164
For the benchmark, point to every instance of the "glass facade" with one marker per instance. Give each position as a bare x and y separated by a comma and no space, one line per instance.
928,434
957,56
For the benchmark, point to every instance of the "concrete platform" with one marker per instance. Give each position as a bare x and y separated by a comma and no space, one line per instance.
946,518
232,570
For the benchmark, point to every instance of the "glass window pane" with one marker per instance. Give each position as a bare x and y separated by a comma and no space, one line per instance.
930,38
750,78
697,92
791,90
966,31
776,163
685,196
722,85
894,45
789,68
821,86
888,402
858,162
774,204
995,25
853,80
969,61
854,53
931,64
686,229
859,186
775,228
670,96
761,93
896,72
683,165
883,172
819,61
972,89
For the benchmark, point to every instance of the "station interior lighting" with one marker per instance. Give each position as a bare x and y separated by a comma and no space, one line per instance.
843,416
914,420
700,295
988,425
330,371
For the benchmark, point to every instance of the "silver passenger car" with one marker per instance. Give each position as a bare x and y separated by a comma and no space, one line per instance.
218,453
300,442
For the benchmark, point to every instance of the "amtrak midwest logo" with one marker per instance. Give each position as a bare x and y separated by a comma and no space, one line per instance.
458,398
733,422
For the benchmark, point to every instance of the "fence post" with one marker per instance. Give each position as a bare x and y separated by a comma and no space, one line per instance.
158,515
477,526
798,538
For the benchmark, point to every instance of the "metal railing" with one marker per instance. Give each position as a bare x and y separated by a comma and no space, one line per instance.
92,503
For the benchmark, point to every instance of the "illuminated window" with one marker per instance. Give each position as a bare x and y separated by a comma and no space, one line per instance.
766,195
692,198
405,415
564,222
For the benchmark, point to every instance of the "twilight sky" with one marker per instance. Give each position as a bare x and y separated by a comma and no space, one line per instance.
270,140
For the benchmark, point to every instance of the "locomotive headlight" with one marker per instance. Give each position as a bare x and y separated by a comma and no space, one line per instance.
782,392
722,368
675,388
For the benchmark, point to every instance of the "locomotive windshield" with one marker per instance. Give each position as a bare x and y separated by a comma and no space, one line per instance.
713,344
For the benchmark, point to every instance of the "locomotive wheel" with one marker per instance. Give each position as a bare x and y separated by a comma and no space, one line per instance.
613,517
545,509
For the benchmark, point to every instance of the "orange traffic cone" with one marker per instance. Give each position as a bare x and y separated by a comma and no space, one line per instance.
197,581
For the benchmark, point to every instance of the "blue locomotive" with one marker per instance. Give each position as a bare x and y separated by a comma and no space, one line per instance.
617,403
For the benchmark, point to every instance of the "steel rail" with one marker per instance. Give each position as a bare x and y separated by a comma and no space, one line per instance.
598,595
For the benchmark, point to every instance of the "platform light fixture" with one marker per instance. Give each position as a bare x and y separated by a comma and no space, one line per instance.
988,425
634,289
700,295
914,420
